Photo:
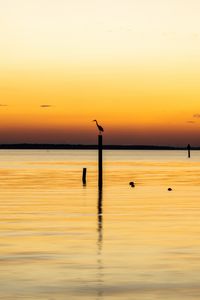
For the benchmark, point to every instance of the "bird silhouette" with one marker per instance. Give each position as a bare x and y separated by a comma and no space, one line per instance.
100,128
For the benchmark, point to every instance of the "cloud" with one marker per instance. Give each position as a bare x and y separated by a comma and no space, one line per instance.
45,105
195,35
191,122
3,105
196,116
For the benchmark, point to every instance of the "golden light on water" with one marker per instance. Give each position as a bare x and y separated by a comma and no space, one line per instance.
55,244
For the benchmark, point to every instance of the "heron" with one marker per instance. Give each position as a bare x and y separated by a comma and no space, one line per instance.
98,126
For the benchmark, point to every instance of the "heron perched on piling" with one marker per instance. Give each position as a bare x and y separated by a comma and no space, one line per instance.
100,128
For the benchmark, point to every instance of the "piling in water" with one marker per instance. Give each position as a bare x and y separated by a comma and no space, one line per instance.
100,161
84,176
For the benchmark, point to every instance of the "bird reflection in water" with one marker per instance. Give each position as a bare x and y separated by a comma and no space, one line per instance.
99,246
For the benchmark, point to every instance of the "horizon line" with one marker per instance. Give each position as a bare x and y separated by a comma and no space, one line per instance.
26,145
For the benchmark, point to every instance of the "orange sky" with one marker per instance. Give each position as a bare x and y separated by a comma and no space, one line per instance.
132,65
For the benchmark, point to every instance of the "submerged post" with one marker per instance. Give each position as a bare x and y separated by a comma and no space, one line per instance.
188,148
84,176
100,161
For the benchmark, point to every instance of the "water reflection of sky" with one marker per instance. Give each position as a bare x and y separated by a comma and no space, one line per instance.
62,240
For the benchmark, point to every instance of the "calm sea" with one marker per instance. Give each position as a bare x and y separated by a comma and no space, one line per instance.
61,240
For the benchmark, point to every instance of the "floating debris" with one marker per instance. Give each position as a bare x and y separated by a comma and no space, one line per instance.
132,184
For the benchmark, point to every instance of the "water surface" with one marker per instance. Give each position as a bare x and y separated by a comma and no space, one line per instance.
61,240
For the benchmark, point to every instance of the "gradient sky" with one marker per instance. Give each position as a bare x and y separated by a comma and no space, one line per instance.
132,65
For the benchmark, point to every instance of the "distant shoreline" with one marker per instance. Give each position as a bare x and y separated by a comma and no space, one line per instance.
30,146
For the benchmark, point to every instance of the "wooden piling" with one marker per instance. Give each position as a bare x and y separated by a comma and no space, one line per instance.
100,161
188,148
84,176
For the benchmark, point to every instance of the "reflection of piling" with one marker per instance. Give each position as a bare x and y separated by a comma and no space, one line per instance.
84,176
188,148
100,217
100,161
100,268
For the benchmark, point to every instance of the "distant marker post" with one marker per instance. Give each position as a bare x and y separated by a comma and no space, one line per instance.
188,148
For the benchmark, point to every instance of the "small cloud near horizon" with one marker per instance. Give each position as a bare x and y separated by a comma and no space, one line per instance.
3,105
196,116
46,105
191,122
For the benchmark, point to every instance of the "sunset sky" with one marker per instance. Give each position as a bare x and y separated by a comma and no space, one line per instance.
132,65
